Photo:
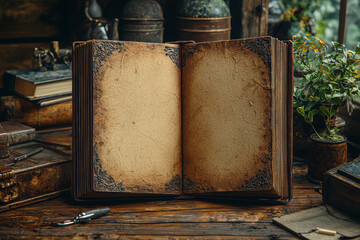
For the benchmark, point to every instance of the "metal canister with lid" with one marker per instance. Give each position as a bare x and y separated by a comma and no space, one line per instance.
204,20
142,20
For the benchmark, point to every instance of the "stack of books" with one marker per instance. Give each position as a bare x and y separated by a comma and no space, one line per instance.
39,98
31,171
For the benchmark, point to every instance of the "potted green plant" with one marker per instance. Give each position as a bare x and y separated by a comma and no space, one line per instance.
331,78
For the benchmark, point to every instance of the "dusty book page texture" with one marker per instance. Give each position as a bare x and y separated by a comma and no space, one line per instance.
137,118
227,102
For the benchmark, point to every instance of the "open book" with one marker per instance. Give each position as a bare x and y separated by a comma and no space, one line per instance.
211,118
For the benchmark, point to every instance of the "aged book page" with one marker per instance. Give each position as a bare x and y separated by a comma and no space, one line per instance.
137,118
227,116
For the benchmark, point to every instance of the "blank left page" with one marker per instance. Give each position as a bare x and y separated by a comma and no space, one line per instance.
137,118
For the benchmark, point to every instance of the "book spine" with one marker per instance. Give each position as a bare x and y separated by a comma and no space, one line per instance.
21,136
23,111
289,100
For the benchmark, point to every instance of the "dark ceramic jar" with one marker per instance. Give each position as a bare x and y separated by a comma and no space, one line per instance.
204,20
142,20
204,9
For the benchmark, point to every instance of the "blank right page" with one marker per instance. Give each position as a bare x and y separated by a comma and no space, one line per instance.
227,116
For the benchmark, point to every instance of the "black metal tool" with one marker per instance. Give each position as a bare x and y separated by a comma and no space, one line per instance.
84,217
26,155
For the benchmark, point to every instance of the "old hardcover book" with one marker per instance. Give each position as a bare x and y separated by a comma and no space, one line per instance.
36,84
39,177
209,118
17,132
341,187
30,113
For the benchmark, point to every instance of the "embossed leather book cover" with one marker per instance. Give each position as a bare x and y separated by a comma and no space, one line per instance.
36,178
167,119
18,109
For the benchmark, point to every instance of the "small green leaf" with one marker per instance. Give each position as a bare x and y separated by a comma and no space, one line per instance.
301,111
311,115
324,110
337,95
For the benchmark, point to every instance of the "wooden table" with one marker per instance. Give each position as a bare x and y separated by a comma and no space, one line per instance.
174,219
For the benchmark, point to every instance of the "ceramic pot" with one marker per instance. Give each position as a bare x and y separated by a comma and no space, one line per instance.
204,29
204,20
325,156
142,20
203,9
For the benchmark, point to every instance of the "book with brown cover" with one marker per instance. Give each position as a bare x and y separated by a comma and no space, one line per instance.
212,118
17,132
341,187
30,113
39,177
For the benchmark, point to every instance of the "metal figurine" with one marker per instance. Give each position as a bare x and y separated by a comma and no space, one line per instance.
100,28
61,55
46,59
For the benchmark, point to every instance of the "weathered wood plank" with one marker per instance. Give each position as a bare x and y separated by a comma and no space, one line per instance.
181,216
250,18
180,229
306,200
157,237
174,218
302,198
154,237
179,211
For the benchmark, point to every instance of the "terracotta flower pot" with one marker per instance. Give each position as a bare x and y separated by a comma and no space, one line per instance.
325,156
